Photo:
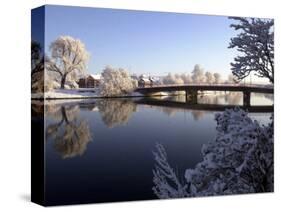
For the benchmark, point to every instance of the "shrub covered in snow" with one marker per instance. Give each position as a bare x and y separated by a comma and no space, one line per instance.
239,160
116,82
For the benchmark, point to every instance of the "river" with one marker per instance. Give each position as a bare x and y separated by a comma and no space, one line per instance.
100,150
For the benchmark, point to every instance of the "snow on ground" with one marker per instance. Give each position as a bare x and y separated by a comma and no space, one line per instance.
82,94
65,94
70,93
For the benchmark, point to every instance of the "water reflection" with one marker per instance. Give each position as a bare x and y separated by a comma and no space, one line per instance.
81,127
116,112
69,133
215,98
269,96
170,111
37,109
198,114
227,98
264,99
223,98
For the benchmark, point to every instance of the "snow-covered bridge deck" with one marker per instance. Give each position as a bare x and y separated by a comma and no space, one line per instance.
255,88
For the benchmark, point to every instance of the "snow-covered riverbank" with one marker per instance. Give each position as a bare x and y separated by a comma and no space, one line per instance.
66,94
82,94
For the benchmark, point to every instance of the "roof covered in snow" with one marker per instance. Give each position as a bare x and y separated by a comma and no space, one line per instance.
145,79
95,76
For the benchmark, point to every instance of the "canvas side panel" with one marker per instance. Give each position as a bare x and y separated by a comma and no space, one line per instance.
37,105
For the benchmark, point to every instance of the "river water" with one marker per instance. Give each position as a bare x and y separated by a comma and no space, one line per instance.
101,150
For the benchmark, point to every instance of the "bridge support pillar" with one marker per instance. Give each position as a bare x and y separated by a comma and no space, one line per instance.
191,96
247,98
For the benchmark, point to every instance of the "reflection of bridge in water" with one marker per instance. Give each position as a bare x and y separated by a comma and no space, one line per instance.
191,91
206,107
92,105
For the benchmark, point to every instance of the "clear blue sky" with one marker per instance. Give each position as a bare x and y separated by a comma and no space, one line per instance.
145,42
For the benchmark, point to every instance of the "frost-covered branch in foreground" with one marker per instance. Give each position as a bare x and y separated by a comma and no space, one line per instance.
238,161
167,184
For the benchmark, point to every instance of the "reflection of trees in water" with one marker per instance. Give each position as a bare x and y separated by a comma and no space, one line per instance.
197,114
262,99
214,98
230,98
208,99
37,109
170,111
116,112
268,96
234,98
71,134
55,111
178,98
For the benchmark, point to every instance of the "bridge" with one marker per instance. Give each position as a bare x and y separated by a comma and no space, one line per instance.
191,90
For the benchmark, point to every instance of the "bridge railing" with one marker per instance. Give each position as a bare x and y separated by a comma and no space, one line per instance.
209,84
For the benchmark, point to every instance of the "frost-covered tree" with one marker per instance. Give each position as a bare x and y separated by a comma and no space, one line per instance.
217,78
177,76
172,79
116,82
238,161
209,77
255,42
40,80
198,74
231,79
169,79
186,78
37,59
37,67
68,58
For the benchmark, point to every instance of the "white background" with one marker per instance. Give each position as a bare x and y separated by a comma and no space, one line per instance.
15,105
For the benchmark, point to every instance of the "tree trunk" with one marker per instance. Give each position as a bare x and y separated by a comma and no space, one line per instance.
63,78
